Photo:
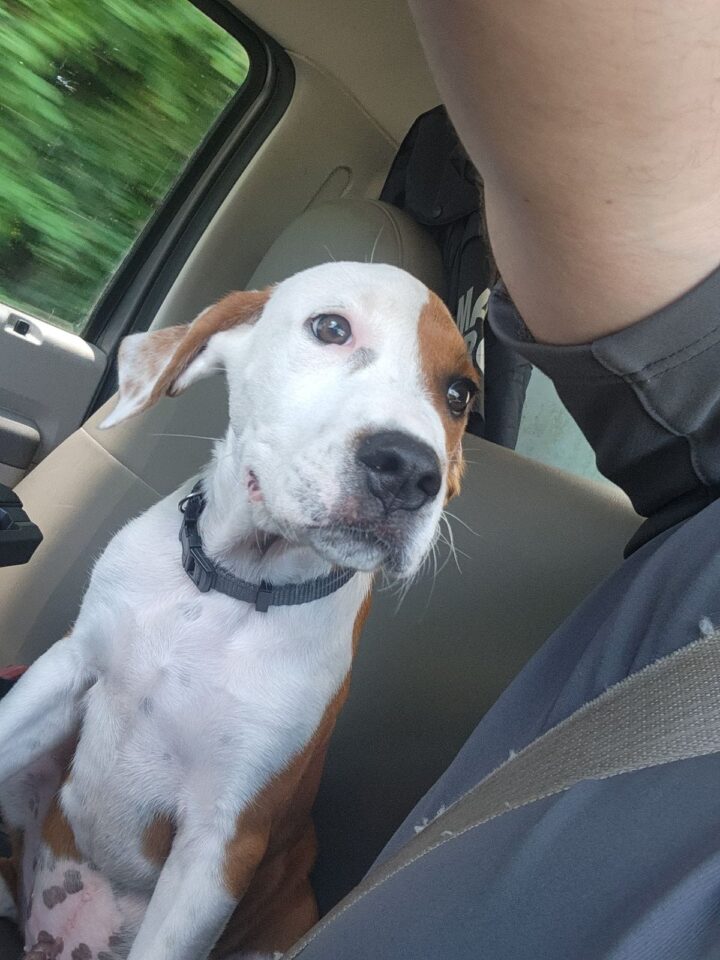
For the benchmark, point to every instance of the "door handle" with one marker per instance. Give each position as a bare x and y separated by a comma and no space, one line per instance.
18,441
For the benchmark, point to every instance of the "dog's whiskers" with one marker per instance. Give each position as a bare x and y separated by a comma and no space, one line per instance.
374,246
475,533
451,541
458,551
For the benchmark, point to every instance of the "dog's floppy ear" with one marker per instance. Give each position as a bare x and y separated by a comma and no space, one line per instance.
164,362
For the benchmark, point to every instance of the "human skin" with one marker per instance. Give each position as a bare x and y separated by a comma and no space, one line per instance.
596,129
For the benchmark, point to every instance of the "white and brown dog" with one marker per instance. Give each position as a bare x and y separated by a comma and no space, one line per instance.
158,765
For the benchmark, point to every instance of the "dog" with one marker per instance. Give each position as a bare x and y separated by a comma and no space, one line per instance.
159,764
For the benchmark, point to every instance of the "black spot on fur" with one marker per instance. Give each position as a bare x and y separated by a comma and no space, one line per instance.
81,952
47,947
73,881
52,896
362,358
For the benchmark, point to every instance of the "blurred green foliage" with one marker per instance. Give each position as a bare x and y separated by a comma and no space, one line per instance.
102,102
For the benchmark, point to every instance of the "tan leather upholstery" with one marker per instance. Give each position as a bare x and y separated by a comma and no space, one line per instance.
380,233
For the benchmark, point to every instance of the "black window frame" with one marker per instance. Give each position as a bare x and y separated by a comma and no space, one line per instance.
141,282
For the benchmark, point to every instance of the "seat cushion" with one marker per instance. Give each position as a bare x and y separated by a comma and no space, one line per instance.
380,233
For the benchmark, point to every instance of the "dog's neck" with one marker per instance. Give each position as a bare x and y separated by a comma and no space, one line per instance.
231,536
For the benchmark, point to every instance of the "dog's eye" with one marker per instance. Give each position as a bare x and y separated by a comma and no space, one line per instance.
459,395
331,328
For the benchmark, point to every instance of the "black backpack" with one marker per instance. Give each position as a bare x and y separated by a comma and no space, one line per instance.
433,181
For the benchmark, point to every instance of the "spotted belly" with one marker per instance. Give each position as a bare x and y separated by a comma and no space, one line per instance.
67,909
73,912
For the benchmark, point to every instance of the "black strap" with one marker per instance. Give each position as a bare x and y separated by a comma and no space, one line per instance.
207,575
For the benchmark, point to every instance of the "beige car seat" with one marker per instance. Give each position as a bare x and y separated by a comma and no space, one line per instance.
531,543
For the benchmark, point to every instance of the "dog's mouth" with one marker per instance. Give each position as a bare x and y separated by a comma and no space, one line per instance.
360,546
352,535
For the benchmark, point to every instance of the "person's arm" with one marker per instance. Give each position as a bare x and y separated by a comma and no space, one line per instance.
596,129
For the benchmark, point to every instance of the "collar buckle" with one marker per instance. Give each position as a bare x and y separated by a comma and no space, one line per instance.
263,597
200,570
196,564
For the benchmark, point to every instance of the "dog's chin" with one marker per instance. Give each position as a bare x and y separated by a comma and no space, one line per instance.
359,549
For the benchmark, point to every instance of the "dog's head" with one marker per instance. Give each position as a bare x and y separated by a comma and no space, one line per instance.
349,386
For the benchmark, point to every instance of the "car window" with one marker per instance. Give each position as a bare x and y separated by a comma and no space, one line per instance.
102,102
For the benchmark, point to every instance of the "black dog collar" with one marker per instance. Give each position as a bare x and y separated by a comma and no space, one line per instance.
207,575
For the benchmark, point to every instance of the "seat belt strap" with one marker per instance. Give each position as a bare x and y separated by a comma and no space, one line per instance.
668,711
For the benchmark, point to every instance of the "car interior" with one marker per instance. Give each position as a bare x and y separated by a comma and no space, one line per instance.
343,84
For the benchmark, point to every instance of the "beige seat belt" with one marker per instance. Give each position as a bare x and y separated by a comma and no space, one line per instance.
668,711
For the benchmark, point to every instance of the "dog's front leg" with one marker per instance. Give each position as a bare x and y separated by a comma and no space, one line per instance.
43,708
204,878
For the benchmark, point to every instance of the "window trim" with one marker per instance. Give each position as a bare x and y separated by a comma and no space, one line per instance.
140,283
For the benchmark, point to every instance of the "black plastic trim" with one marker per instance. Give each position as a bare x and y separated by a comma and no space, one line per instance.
141,283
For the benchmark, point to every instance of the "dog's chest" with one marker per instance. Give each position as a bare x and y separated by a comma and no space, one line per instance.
199,700
197,704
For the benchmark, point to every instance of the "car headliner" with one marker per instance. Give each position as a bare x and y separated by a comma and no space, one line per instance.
370,47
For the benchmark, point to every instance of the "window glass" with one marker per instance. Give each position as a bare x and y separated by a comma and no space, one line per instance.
102,102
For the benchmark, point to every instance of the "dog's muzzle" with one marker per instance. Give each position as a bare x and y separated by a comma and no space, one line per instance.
402,472
395,476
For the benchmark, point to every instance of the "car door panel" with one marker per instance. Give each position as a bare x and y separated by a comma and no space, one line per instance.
48,377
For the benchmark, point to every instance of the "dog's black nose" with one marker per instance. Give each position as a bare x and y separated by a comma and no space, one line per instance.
402,472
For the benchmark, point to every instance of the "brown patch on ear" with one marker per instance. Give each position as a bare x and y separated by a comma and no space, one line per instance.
157,840
160,345
152,363
243,306
443,358
58,835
